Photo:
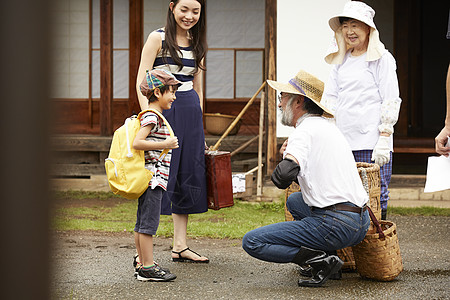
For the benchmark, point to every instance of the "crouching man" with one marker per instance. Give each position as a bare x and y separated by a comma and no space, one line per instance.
330,211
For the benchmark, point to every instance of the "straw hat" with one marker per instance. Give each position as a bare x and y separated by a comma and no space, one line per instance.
362,12
304,84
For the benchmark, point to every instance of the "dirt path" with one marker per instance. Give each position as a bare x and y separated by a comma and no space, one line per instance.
90,265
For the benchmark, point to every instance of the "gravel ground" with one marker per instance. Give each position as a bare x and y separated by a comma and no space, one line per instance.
92,265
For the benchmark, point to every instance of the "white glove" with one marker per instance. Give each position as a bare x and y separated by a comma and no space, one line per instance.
381,152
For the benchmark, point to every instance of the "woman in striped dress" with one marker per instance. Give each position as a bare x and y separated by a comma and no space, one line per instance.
180,48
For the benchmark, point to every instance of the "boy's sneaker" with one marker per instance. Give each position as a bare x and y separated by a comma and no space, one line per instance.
135,262
137,265
164,269
136,270
154,274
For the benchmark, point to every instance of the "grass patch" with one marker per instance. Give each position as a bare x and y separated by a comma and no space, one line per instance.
419,211
231,222
73,194
116,218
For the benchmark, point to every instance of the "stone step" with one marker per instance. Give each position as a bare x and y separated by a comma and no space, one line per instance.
407,180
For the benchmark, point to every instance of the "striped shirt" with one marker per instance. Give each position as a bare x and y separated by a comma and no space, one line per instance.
186,74
158,134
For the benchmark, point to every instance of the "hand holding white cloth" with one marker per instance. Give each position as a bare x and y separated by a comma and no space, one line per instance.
381,152
438,173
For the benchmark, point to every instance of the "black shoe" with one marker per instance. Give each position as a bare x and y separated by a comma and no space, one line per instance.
306,254
136,270
135,260
322,269
137,266
306,271
322,265
154,274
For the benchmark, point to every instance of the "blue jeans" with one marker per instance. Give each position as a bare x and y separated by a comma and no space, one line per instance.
318,229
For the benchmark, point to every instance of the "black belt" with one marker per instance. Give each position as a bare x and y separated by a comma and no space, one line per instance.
343,207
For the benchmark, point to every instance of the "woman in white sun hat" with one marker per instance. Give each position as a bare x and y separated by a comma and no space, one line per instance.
362,90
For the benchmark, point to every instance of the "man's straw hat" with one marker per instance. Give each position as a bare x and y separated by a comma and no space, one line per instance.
304,84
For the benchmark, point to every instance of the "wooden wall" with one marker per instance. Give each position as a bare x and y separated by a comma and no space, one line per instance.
102,116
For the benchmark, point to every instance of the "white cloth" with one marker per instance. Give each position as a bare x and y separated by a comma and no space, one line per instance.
238,181
361,12
438,173
328,173
364,97
337,49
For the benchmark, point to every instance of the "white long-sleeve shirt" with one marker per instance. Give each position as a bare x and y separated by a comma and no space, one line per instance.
364,97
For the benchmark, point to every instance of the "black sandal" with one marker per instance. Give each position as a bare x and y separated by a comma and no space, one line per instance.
185,259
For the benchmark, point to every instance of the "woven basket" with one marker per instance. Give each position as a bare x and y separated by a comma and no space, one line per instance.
346,255
217,124
372,172
294,187
379,258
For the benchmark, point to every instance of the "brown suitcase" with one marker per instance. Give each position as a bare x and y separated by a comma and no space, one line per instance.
219,182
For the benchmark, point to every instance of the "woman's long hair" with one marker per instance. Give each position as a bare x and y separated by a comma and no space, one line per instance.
197,38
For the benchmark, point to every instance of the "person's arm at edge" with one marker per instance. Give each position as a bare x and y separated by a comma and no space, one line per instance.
442,138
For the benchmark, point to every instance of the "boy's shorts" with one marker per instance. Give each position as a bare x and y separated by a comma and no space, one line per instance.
149,210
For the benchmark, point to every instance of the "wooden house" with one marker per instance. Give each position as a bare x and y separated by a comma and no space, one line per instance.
96,51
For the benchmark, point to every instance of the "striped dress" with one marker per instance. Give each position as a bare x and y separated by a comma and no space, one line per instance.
184,75
186,190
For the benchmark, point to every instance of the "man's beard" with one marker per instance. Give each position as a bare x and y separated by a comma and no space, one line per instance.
287,115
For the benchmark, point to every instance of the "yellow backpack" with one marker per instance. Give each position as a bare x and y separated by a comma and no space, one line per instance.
125,166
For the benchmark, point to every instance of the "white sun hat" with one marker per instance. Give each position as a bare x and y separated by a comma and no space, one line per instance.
362,12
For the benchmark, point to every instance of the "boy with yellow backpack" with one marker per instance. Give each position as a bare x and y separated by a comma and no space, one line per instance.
154,139
154,136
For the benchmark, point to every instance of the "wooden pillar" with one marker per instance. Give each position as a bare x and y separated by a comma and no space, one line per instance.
106,67
271,52
136,44
27,120
401,43
407,51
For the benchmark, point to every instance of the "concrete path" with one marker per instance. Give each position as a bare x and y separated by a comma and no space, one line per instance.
99,266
